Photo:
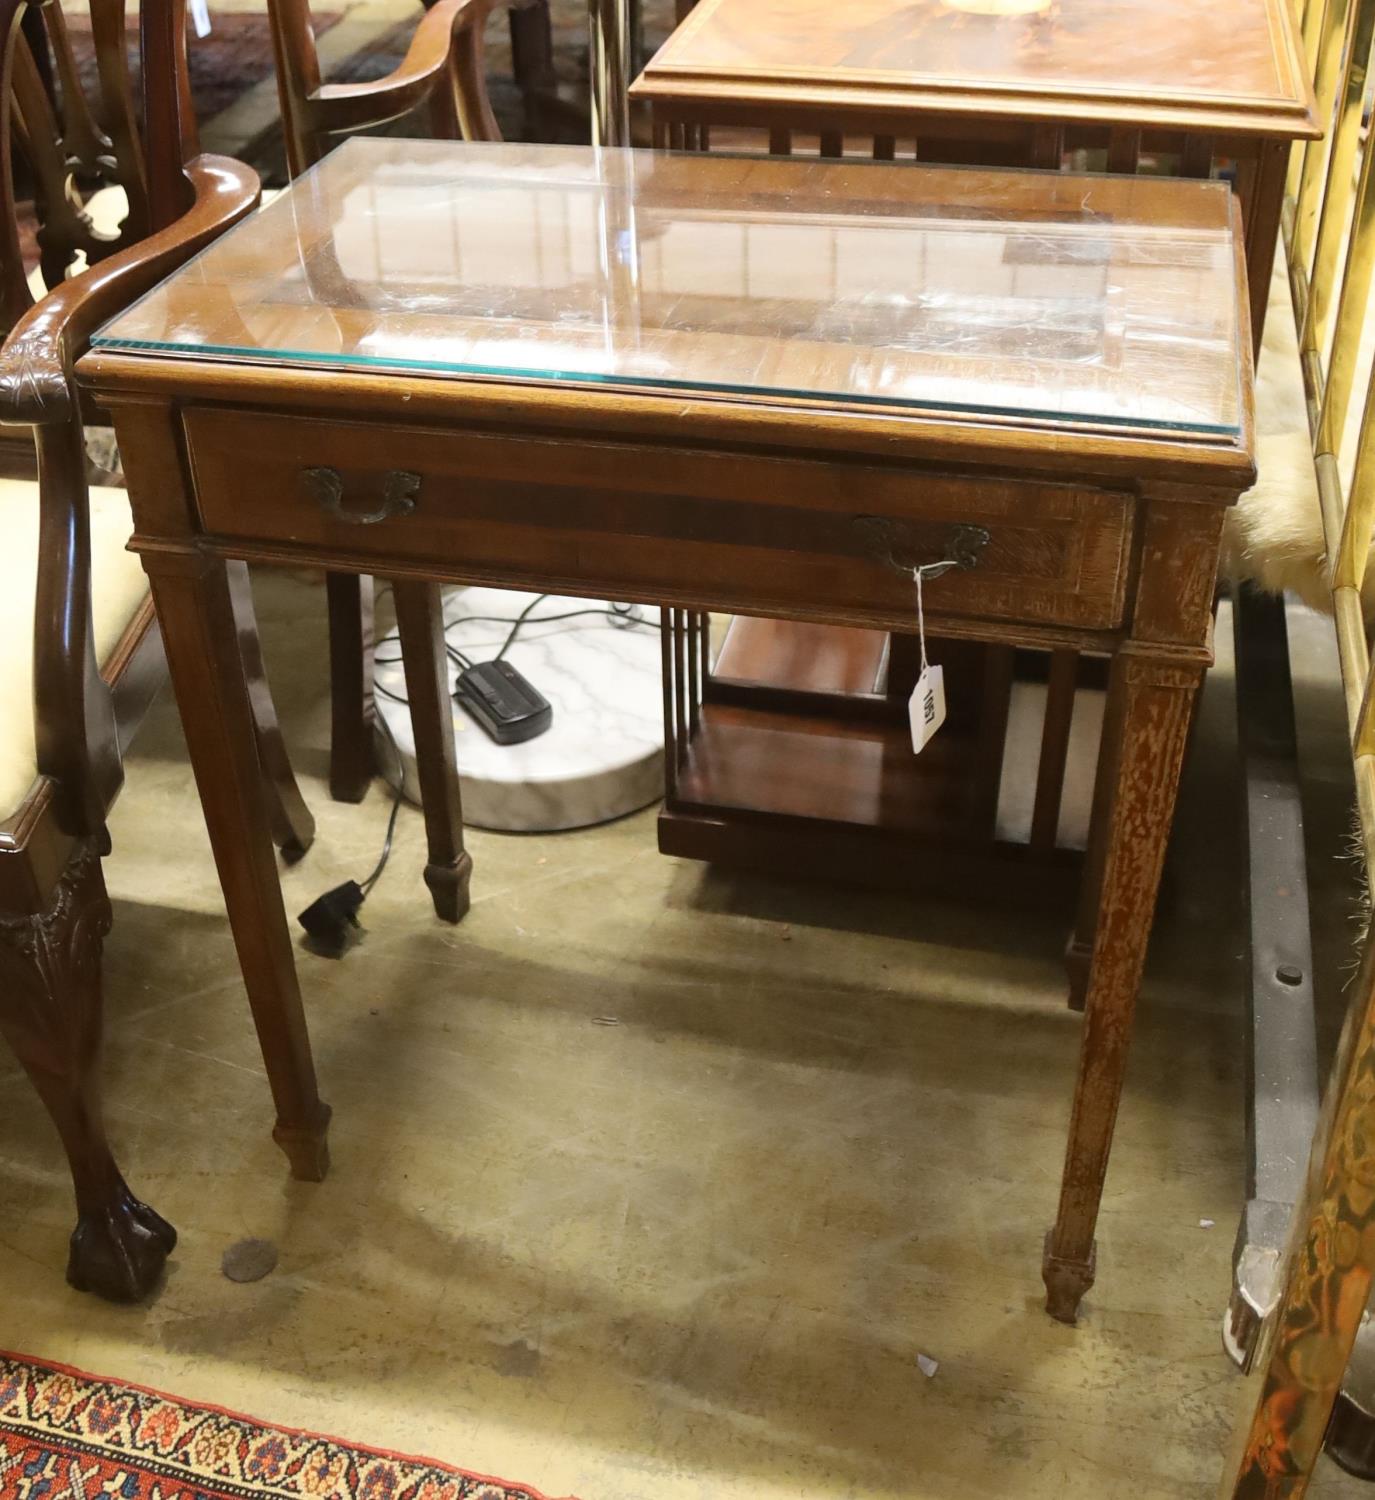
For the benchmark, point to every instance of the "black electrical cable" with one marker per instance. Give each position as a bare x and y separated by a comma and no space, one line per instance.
455,655
331,918
334,911
625,613
381,864
519,620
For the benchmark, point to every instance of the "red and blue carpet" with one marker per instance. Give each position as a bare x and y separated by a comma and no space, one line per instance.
69,1436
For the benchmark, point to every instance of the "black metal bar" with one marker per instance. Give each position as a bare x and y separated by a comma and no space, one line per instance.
1281,1052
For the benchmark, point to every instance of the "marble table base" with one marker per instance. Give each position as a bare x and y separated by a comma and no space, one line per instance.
602,756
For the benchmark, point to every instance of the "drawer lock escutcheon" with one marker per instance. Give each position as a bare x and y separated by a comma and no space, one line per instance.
893,542
400,491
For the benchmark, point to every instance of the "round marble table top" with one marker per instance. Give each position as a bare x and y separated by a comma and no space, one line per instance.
602,756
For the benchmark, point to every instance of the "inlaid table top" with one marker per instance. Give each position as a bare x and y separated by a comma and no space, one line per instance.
1107,303
1215,64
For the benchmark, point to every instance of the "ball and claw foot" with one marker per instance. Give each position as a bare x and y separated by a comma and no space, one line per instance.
118,1250
1066,1281
306,1147
449,887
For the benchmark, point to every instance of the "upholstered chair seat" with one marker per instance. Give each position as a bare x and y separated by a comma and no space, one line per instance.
118,589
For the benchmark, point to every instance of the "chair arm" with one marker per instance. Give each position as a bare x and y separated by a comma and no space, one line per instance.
337,107
77,738
37,358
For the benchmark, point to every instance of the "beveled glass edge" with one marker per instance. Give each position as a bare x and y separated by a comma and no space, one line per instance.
268,358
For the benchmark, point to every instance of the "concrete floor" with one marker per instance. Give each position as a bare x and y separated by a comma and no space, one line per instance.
698,1251
695,1252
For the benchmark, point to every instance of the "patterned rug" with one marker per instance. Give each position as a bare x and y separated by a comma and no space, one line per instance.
69,1436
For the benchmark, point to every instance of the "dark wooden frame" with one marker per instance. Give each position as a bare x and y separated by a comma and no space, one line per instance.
54,911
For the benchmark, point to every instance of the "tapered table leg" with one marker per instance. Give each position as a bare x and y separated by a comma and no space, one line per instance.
293,827
350,685
420,624
1079,949
195,610
1149,705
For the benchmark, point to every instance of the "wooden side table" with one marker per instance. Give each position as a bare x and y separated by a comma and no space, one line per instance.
796,770
1005,82
552,368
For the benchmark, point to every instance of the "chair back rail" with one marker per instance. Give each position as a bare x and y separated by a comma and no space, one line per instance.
442,74
117,110
84,142
72,145
64,228
168,113
298,75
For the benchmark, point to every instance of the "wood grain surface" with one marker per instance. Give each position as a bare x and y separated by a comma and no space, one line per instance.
1235,64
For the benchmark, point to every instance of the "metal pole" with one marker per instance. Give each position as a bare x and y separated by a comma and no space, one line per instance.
1282,1074
609,69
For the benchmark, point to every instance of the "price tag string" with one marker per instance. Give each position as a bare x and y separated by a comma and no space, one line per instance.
918,574
926,707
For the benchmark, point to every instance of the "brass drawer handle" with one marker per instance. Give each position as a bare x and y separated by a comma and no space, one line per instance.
892,542
400,491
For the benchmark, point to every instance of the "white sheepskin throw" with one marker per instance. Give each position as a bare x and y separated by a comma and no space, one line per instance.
1273,536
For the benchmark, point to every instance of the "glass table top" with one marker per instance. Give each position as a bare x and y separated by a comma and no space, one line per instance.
1101,301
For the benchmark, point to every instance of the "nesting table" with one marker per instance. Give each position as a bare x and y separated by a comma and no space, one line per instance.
1161,85
768,387
1005,82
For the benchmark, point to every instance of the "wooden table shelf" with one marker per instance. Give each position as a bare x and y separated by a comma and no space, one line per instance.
797,731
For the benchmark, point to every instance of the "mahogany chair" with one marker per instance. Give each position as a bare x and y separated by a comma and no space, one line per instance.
73,149
82,657
441,76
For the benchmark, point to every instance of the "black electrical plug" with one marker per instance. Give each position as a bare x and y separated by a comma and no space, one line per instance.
331,921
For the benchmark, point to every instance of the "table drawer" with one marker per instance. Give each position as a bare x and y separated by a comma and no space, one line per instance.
629,521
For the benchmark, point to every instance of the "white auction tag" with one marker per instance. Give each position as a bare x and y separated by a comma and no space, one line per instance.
926,707
200,17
